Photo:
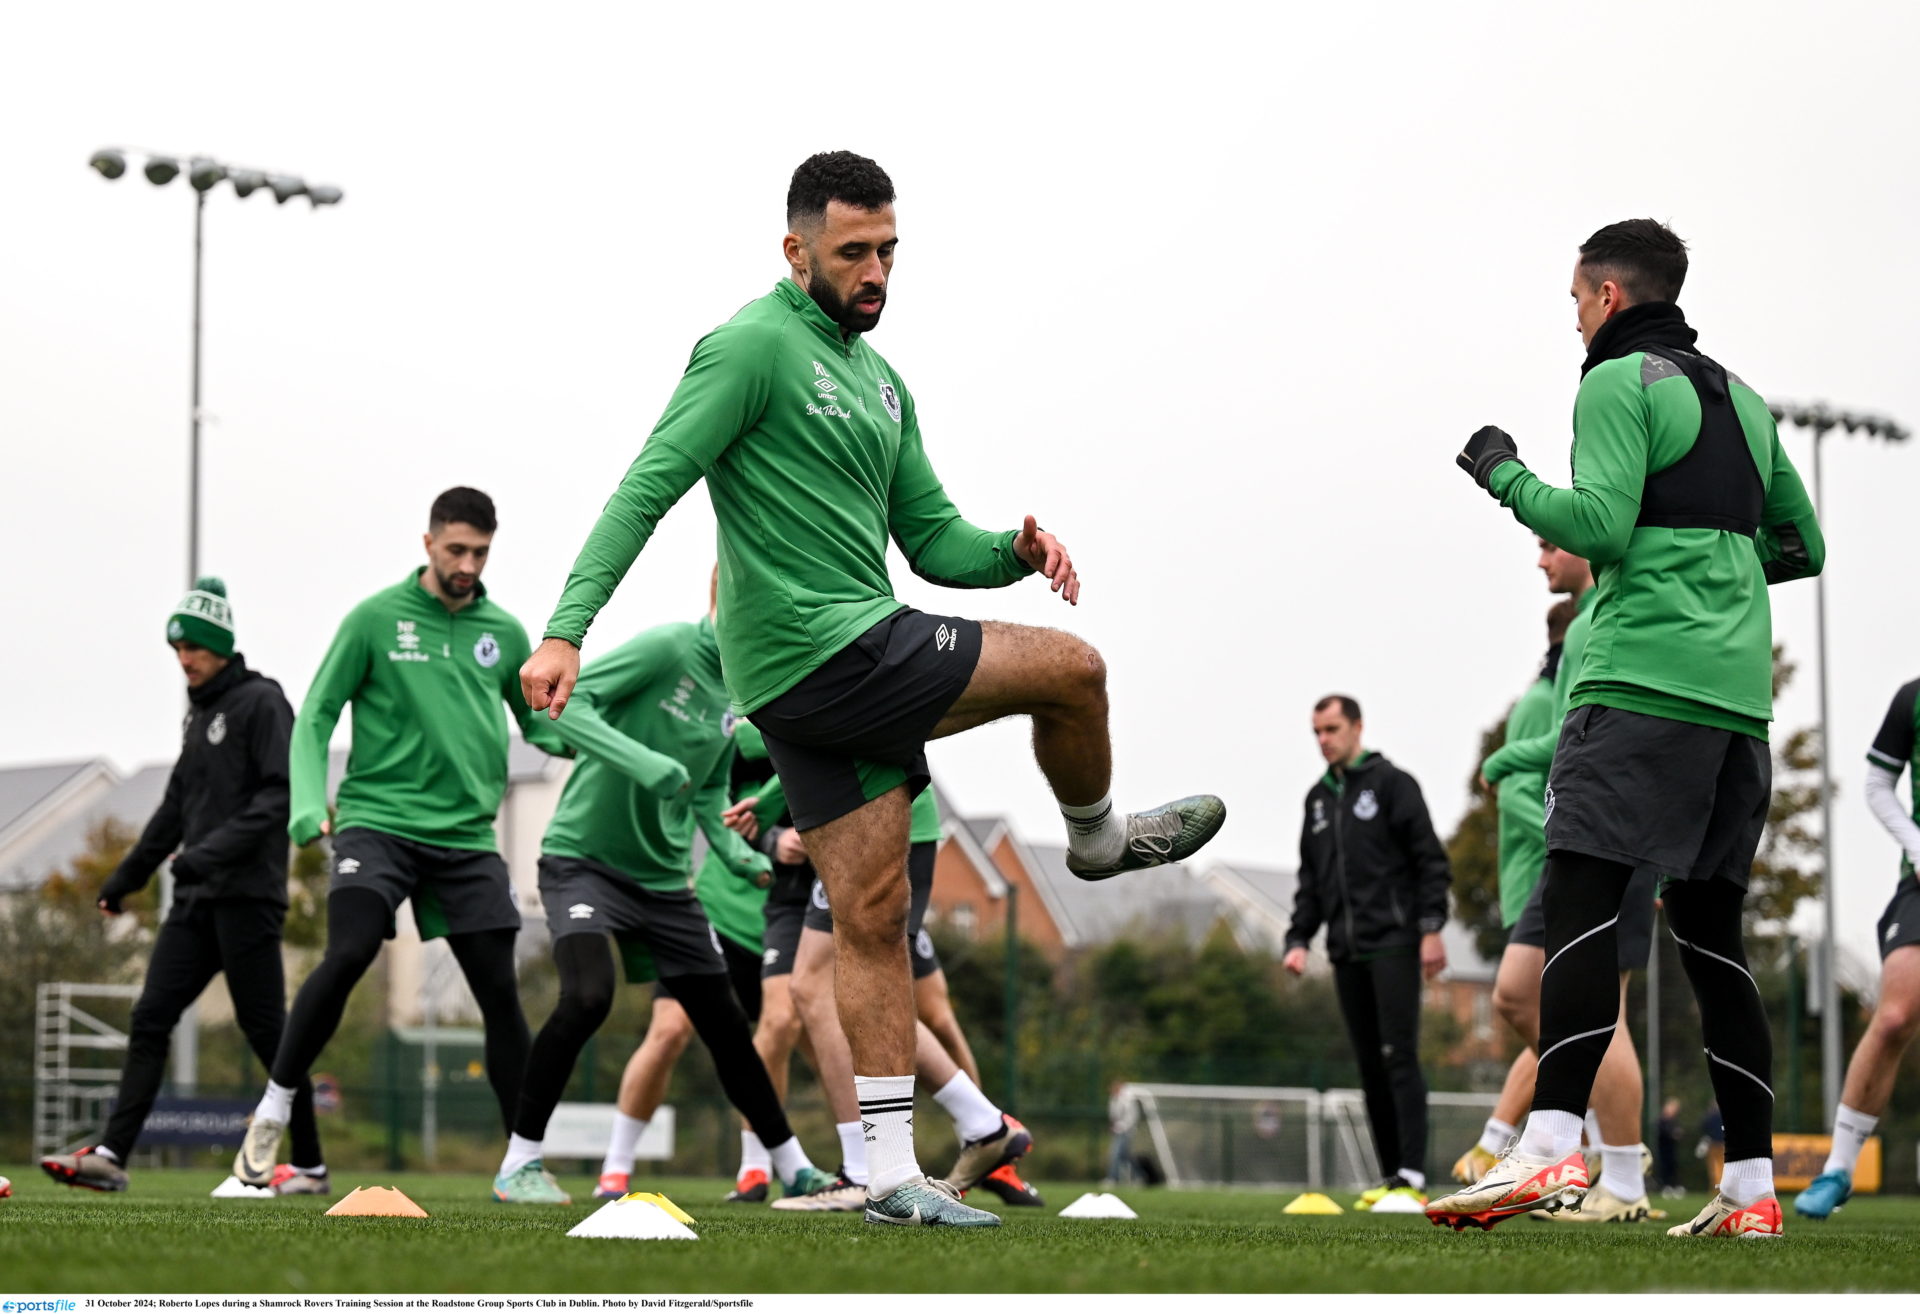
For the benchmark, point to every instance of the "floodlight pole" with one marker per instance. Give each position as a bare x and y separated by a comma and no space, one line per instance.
193,437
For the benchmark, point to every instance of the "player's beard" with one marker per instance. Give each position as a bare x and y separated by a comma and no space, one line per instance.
842,312
455,587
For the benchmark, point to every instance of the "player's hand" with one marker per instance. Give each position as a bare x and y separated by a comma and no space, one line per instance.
1046,554
548,677
1488,450
1295,961
740,819
1433,955
790,849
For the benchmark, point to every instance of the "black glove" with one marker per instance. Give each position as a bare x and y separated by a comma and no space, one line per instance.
186,871
117,887
1488,449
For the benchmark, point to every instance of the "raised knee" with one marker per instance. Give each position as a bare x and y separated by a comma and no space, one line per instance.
588,1001
1089,671
877,915
1897,1019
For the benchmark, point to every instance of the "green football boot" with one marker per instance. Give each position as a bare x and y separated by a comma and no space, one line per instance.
924,1202
1172,832
530,1183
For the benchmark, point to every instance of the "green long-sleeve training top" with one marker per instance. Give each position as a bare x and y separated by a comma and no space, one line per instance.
810,446
1682,627
655,736
429,756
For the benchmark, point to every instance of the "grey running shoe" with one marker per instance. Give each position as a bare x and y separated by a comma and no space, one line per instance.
838,1196
978,1158
530,1183
288,1180
924,1202
1173,832
86,1168
259,1152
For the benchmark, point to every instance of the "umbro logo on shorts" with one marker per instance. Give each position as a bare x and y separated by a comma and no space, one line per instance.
769,958
1893,930
580,911
348,866
948,639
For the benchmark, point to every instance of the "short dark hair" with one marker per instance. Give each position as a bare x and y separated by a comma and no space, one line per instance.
1644,256
1349,707
463,505
835,176
1559,616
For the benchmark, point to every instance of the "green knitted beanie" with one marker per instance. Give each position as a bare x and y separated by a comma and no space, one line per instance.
203,617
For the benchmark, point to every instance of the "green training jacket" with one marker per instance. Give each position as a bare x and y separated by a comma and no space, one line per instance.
655,736
1681,623
1522,803
429,756
1533,754
810,446
737,908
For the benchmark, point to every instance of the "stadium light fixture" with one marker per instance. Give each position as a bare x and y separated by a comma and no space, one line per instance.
205,174
286,187
1820,419
109,163
161,169
246,182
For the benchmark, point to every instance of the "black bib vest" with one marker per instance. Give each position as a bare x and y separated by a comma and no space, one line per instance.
1716,484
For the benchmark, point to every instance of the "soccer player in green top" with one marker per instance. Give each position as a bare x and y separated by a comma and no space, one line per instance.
1687,507
1896,1015
427,665
810,446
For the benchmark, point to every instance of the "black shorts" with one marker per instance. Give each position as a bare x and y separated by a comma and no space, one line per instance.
858,726
920,950
786,911
454,891
1634,930
1900,924
743,974
660,933
1682,801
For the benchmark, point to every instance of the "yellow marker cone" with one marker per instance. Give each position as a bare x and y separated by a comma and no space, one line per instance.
376,1202
1313,1203
654,1198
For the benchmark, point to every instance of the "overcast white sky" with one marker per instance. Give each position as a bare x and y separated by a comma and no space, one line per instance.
1215,292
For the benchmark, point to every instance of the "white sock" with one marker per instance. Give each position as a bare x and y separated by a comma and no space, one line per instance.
1746,1180
105,1153
520,1153
853,1151
1590,1128
1414,1177
1850,1131
1095,833
1620,1172
1496,1135
788,1159
622,1144
886,1119
753,1155
276,1105
974,1116
1550,1134
318,1170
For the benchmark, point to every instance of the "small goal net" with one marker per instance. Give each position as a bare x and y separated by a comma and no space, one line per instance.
1290,1137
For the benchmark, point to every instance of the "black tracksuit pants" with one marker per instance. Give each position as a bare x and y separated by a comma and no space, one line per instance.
1380,1000
199,939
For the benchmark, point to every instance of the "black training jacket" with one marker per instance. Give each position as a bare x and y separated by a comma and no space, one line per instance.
224,816
1371,869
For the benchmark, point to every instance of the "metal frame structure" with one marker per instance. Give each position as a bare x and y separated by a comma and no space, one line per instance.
71,1091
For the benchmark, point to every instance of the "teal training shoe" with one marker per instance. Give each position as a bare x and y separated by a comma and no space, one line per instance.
924,1202
530,1183
1824,1194
1172,832
808,1181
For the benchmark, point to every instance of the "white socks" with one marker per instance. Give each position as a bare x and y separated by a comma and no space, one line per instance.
276,1105
1620,1172
1746,1180
788,1159
973,1114
1496,1136
105,1153
1850,1131
886,1118
621,1145
1590,1126
1551,1134
753,1155
1095,833
1413,1177
853,1151
520,1153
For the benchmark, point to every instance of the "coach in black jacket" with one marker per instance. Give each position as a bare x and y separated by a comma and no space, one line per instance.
1374,874
224,821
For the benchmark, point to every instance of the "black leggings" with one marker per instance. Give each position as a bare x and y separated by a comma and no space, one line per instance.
1580,992
1380,1000
586,997
357,922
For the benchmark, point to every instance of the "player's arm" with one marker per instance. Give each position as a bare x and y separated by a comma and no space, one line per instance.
1534,753
1433,874
621,674
1595,517
709,808
341,672
1790,542
157,839
268,730
536,729
1891,752
1307,914
720,397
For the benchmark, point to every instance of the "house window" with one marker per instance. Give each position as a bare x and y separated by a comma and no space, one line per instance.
963,918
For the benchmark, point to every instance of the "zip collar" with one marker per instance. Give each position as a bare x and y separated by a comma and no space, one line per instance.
1336,781
808,309
416,579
